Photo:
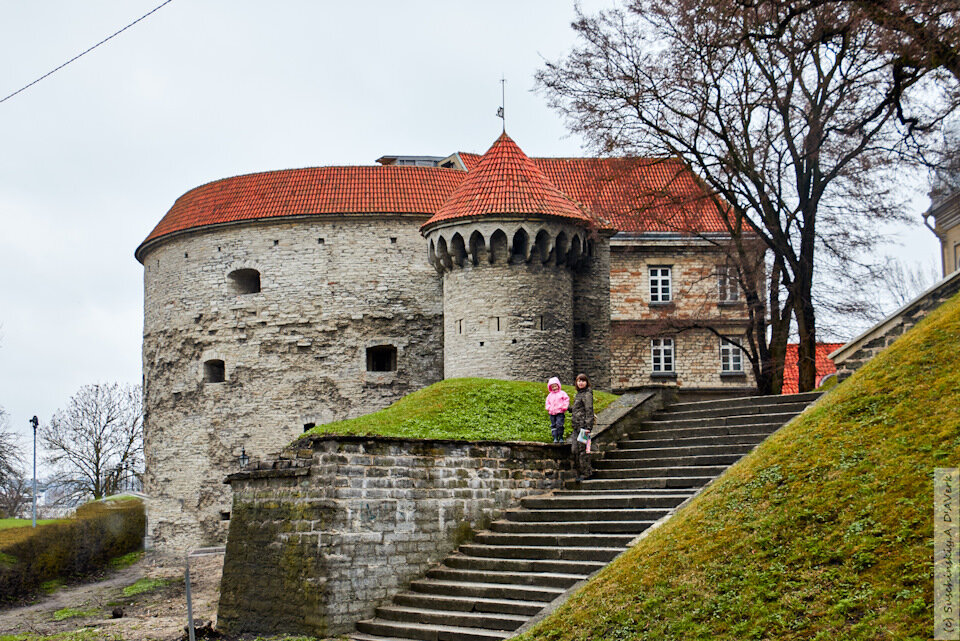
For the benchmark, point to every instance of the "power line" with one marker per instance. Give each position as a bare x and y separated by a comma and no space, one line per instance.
80,55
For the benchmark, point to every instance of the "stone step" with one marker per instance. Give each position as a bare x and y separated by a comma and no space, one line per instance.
548,539
742,410
476,589
745,401
658,472
466,562
605,463
429,632
603,502
563,517
461,619
360,636
550,579
577,527
468,604
715,436
668,452
621,493
679,482
540,552
779,418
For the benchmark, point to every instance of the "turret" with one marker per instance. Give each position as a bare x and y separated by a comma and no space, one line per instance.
507,243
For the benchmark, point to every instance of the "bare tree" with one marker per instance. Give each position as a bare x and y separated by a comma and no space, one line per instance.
796,128
11,470
96,442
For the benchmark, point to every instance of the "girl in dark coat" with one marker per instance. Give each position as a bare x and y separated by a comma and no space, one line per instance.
582,420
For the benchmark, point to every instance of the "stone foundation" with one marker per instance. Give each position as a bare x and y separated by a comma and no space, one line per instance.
321,537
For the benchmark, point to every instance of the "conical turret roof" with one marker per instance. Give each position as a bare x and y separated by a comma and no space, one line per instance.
506,181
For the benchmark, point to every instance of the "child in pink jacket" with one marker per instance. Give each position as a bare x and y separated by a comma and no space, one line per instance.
557,403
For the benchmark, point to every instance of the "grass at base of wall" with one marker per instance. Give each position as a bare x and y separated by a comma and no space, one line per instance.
468,409
824,532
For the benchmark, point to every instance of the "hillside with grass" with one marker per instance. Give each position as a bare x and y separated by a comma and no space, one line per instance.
469,409
823,532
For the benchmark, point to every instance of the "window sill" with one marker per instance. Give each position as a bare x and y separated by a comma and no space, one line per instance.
663,304
661,375
380,378
733,375
730,303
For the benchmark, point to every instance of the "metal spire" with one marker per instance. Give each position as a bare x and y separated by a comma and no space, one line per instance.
503,102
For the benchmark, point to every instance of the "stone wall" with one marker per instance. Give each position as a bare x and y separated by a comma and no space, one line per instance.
857,352
294,353
591,306
320,539
635,319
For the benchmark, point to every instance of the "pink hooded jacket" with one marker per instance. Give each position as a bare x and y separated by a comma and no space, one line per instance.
557,401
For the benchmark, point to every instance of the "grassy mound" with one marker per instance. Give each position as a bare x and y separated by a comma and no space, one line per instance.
469,409
824,532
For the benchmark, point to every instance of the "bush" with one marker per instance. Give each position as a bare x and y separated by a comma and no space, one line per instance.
73,548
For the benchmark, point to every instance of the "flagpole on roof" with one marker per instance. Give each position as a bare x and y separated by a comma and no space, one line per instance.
503,102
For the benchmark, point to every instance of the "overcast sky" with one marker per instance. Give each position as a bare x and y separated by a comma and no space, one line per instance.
93,156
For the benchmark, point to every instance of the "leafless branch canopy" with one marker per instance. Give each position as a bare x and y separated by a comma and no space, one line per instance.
96,442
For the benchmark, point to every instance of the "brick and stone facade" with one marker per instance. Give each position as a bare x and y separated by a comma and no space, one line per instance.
282,300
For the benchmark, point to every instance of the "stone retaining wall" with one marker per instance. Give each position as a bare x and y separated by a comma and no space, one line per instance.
857,352
326,533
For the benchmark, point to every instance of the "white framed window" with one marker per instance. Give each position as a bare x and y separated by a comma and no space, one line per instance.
661,290
731,357
661,355
728,283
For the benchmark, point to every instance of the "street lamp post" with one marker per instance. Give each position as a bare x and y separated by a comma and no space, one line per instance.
35,422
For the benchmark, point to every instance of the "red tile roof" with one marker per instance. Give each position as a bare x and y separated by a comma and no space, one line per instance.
317,190
630,195
791,369
506,181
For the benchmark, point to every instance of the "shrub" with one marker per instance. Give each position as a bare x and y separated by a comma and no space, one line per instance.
73,548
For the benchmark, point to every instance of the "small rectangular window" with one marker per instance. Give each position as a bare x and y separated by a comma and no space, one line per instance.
214,371
382,358
731,357
728,283
660,285
460,326
581,330
661,353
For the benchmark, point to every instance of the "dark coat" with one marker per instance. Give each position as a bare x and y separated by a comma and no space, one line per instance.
583,410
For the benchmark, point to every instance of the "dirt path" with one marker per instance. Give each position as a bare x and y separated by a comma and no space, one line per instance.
159,614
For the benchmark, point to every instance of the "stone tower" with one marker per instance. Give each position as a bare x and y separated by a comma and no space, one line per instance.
509,245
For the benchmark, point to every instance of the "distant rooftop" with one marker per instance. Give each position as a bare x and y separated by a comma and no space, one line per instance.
411,161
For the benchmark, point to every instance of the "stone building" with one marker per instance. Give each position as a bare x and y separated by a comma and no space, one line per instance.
280,300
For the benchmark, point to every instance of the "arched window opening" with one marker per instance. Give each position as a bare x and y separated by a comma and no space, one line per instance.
543,245
561,248
382,358
518,252
245,281
477,247
457,250
214,371
498,247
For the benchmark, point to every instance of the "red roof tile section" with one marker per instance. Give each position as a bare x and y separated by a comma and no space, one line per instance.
629,195
505,181
318,190
791,369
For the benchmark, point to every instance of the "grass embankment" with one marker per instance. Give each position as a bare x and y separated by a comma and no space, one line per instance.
468,409
824,532
15,530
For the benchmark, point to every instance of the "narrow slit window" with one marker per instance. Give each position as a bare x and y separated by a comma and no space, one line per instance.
382,358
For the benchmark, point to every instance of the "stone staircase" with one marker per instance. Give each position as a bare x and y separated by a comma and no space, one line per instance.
496,583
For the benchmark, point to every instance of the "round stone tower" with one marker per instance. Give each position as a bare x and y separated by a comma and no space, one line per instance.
507,243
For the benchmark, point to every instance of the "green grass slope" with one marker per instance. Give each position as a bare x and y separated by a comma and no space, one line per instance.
824,532
469,409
